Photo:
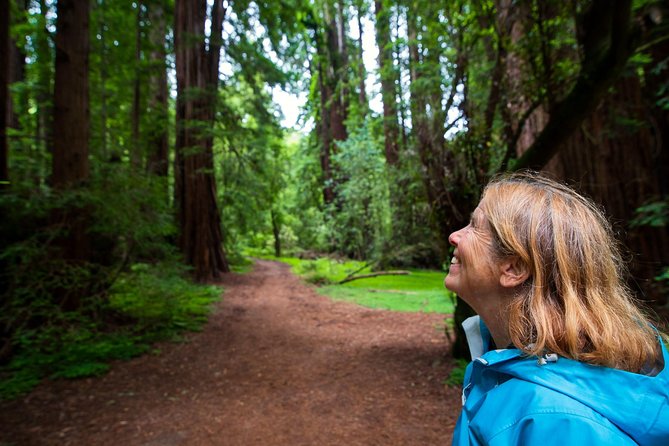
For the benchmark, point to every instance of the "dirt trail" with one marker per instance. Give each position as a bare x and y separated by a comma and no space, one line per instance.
276,365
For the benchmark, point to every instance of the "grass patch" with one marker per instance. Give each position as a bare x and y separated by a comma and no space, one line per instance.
420,291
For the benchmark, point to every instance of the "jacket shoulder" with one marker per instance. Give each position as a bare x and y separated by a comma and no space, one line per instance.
521,412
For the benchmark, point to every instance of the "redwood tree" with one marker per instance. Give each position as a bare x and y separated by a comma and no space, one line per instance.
71,117
389,78
200,237
158,143
4,92
332,68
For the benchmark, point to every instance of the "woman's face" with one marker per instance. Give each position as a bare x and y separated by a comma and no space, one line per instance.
472,273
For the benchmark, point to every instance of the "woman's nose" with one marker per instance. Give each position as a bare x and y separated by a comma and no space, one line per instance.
454,238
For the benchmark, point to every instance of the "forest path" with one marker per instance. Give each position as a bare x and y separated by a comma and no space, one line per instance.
276,365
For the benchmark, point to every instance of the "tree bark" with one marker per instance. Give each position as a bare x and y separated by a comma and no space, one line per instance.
599,159
43,95
71,108
70,164
158,142
389,79
362,74
136,151
199,220
332,65
276,231
4,92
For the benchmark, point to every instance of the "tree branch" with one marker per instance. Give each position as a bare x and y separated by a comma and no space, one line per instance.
379,273
606,54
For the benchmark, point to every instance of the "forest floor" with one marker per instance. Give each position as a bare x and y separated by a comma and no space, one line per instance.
277,364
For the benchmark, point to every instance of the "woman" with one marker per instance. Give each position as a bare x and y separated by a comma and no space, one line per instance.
561,355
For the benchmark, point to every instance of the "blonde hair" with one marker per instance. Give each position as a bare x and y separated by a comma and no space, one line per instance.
575,302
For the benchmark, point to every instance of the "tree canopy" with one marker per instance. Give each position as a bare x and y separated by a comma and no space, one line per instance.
147,131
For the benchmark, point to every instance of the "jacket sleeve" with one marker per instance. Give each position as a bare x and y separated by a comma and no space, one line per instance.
559,428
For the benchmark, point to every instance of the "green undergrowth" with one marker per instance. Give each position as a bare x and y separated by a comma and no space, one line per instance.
419,291
457,375
147,304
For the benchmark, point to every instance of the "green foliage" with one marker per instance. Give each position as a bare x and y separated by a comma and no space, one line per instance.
360,219
63,318
149,303
457,375
655,213
663,276
134,209
304,199
160,300
252,162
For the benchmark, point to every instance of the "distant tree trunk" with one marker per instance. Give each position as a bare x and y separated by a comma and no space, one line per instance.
337,75
18,106
158,162
362,93
136,151
332,66
17,102
200,236
44,92
114,156
276,231
325,135
4,91
388,83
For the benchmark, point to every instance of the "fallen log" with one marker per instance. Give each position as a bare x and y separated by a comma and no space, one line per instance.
378,273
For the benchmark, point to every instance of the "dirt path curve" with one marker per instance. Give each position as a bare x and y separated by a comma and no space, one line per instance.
276,365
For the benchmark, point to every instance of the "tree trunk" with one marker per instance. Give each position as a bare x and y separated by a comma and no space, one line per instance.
44,94
4,91
332,65
607,39
114,156
600,159
200,237
362,93
136,150
158,158
70,165
276,231
71,112
18,106
389,79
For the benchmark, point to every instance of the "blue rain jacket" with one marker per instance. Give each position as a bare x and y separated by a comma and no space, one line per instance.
511,399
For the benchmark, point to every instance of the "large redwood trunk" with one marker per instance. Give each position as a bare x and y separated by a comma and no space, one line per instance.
617,166
70,165
200,228
71,116
4,90
71,112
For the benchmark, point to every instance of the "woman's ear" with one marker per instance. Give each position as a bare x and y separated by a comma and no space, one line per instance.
513,271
